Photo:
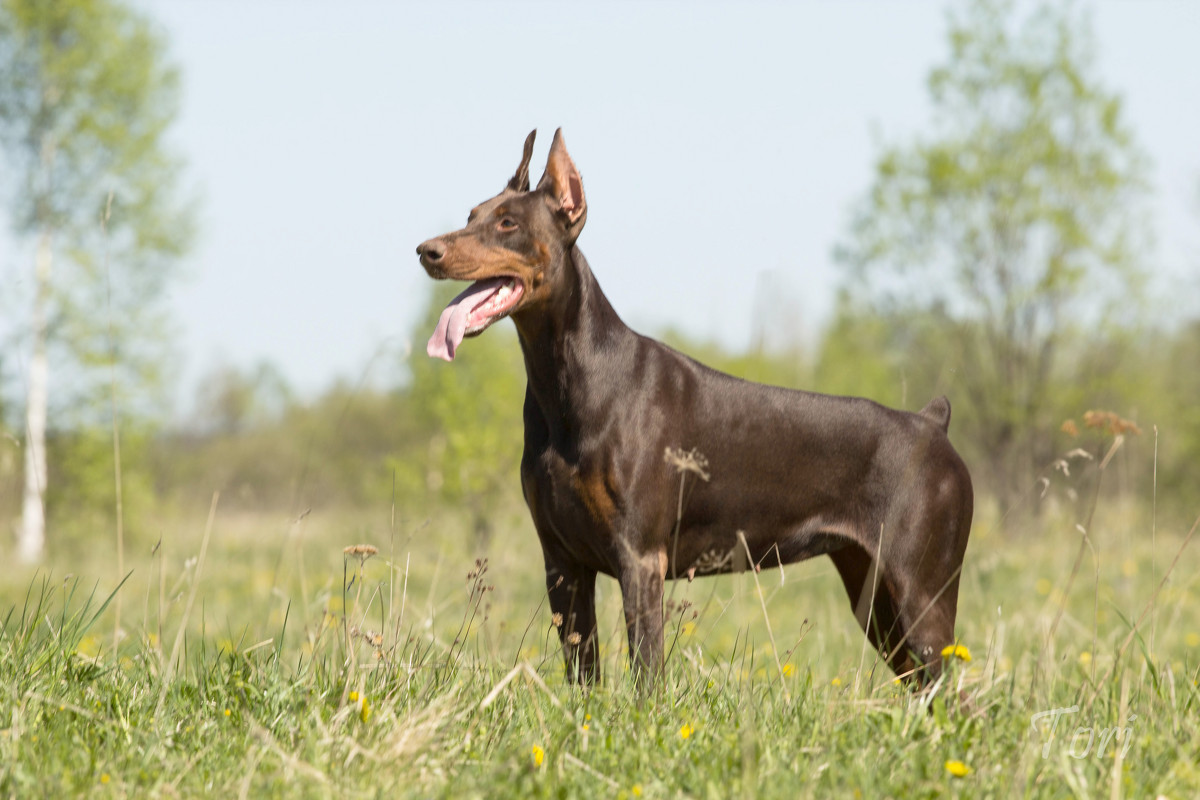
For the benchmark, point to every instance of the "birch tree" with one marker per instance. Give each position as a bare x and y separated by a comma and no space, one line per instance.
86,96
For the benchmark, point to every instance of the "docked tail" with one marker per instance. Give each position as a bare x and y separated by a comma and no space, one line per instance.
937,411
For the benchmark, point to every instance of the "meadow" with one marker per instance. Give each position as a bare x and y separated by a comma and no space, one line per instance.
387,653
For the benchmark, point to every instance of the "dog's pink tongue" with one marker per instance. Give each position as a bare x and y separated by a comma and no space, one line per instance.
452,325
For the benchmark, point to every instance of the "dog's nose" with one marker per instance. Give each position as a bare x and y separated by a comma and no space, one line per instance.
431,251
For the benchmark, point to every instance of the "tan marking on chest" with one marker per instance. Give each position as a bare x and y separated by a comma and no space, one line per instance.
593,489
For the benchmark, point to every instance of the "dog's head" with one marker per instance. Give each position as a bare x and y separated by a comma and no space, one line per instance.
509,248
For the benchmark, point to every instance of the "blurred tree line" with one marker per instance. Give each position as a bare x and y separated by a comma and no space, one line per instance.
450,436
999,259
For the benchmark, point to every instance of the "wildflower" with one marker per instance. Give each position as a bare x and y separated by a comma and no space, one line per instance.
228,712
353,696
573,638
685,731
836,682
636,790
539,755
104,777
788,670
958,769
958,651
1070,428
1085,658
557,619
366,710
362,551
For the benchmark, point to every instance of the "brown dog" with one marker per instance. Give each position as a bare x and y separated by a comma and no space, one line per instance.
782,476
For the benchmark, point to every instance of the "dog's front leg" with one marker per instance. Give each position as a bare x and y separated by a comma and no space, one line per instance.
641,580
572,592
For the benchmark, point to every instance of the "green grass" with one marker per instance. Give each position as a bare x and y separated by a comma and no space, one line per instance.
302,672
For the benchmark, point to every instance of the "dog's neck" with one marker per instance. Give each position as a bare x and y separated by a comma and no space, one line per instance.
566,342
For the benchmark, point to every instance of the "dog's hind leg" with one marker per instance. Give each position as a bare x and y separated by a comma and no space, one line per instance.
873,604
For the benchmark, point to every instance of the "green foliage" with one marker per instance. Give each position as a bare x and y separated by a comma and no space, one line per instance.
86,97
470,410
262,449
232,401
81,491
895,357
1017,221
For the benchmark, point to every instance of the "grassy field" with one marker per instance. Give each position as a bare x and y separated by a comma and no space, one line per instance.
249,656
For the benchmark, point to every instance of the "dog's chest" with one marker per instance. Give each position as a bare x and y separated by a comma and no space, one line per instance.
579,504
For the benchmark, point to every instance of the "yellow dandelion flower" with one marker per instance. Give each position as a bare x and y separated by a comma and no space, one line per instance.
366,710
228,712
685,731
1085,658
788,670
958,651
104,777
353,697
958,769
636,790
836,682
539,755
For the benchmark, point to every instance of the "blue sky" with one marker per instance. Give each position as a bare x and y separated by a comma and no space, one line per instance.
721,146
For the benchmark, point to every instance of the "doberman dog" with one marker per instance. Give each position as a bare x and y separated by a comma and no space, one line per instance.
778,475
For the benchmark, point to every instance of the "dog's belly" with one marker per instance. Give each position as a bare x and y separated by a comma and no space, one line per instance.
712,553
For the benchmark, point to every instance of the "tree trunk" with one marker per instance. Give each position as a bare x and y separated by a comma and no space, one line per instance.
31,537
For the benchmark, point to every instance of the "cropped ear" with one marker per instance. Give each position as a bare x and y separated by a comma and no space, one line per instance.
564,186
520,181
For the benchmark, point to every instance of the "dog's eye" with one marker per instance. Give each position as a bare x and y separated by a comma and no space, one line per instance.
507,224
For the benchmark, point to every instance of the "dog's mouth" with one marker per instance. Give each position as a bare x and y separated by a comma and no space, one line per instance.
469,314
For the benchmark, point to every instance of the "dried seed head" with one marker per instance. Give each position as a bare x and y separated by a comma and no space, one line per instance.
363,551
687,461
557,619
1110,422
573,638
